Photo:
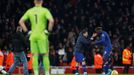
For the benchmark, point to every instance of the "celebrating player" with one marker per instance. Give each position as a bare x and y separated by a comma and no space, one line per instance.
82,41
38,17
106,42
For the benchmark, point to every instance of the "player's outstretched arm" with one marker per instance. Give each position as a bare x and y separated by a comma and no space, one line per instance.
93,36
101,40
22,24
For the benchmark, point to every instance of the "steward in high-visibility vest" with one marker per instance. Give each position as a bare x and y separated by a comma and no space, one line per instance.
98,62
127,58
73,65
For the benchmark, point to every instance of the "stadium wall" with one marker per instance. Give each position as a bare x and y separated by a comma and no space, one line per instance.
66,70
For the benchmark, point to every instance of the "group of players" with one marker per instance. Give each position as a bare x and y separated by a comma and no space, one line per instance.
39,44
84,40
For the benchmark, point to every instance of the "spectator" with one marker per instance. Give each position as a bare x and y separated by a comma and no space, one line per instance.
69,52
115,16
53,56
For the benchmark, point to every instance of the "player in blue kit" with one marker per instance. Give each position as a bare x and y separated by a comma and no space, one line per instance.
81,42
106,42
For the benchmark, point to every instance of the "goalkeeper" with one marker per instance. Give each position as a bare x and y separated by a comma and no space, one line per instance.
39,44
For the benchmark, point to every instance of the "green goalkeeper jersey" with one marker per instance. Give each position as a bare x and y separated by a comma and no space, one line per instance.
38,17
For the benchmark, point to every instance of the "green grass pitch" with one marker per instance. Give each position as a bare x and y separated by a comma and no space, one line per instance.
73,74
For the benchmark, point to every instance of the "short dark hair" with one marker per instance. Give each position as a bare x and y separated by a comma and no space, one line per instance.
98,29
38,0
85,30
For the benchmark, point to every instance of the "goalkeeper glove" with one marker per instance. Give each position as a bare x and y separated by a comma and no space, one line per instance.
46,32
29,32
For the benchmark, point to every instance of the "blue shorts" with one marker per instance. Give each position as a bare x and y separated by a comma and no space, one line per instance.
79,57
106,56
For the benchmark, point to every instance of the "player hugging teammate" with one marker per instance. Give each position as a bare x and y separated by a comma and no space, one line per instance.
83,40
106,42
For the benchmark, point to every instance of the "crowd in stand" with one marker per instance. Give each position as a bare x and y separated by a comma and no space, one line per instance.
71,16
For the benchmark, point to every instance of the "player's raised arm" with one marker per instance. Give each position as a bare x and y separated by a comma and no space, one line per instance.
101,40
102,37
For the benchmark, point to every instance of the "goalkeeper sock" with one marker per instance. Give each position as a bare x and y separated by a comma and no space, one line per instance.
36,72
46,64
35,64
47,73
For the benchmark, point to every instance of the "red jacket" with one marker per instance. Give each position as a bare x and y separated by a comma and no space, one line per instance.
9,60
29,55
73,64
1,58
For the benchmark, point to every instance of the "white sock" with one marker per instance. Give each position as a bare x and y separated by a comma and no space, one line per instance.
103,73
36,73
3,71
47,73
85,72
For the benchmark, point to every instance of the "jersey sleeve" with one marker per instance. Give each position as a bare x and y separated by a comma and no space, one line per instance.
101,40
85,41
25,16
48,14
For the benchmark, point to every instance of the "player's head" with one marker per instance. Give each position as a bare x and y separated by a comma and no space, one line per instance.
38,2
114,72
98,29
85,32
19,29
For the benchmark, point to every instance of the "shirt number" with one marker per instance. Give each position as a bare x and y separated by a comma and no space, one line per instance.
36,18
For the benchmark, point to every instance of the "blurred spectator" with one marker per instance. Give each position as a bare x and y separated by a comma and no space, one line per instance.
61,53
53,56
115,16
69,53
